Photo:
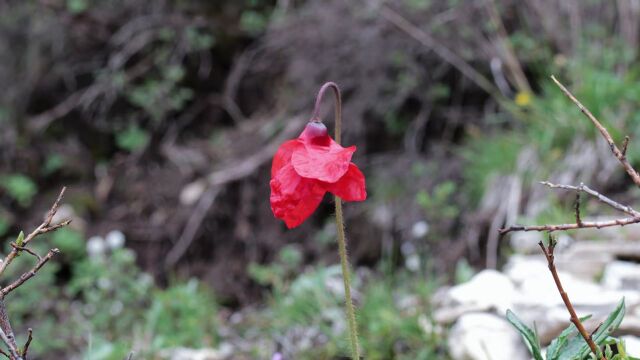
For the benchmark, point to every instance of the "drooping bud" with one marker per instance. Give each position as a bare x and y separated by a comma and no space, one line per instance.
315,132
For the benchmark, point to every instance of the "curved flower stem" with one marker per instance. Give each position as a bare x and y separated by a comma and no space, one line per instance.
342,243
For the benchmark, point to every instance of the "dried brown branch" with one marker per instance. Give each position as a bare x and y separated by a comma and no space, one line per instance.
583,225
44,228
577,206
29,274
548,254
5,325
13,352
25,349
584,188
27,250
620,155
6,331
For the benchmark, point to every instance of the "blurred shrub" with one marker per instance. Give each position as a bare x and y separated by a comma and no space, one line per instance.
306,312
108,306
20,187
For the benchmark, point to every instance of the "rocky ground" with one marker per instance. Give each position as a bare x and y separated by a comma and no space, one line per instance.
595,274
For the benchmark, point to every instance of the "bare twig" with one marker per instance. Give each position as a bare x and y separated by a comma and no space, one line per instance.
25,249
584,225
6,331
620,155
584,188
548,254
44,228
2,352
5,324
577,206
10,345
25,349
29,274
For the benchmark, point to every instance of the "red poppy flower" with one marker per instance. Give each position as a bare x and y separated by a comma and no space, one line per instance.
304,169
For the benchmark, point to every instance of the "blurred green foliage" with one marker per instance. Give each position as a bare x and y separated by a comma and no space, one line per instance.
20,187
108,306
393,313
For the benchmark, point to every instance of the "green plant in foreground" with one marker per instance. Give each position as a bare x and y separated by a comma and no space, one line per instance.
569,345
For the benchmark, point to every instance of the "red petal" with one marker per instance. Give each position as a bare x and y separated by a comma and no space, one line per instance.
350,187
294,198
324,163
283,155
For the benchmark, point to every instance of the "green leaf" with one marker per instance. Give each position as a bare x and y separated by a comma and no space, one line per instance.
20,238
559,343
577,348
609,326
530,337
132,138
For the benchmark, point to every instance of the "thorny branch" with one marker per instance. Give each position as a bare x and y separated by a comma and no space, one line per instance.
548,254
6,331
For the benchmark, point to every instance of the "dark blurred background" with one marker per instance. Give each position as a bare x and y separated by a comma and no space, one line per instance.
161,118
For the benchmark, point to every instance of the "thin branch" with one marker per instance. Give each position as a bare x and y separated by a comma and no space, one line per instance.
5,324
548,254
625,144
25,349
2,352
44,228
12,349
27,250
577,205
583,225
584,188
29,274
620,155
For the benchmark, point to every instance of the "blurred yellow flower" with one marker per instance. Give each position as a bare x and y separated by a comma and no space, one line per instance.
523,98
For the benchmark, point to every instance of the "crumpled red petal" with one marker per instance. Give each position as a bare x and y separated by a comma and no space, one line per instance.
350,187
324,163
294,198
283,155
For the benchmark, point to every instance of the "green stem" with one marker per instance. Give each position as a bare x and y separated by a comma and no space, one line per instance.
344,262
342,242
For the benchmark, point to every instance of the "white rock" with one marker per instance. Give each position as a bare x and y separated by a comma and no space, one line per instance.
488,290
224,351
621,275
522,267
480,336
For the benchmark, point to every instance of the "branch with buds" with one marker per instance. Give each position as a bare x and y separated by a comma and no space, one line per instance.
21,245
